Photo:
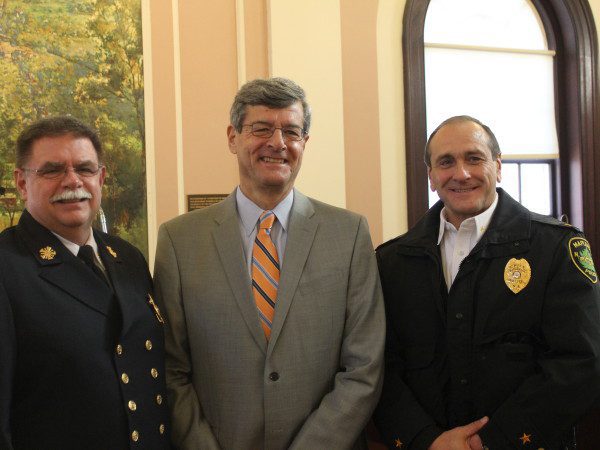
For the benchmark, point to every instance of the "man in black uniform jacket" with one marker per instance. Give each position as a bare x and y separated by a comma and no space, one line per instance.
81,341
493,319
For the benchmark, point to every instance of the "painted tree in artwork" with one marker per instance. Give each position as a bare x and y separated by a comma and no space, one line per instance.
82,58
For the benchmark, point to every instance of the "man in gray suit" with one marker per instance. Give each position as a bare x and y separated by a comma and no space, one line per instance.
275,331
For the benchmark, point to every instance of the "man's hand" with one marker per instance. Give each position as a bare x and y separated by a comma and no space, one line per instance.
461,438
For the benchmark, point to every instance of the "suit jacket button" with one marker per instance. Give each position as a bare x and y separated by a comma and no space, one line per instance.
119,349
124,378
148,345
135,436
132,406
273,376
154,373
161,428
159,399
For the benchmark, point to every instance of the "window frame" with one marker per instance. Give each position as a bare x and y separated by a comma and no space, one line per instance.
570,31
553,166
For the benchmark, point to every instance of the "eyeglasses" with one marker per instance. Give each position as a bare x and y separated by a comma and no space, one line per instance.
54,171
262,130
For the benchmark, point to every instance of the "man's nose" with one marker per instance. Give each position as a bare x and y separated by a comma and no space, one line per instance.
461,171
70,178
276,141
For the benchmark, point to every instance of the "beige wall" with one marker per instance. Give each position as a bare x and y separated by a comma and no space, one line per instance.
199,52
347,54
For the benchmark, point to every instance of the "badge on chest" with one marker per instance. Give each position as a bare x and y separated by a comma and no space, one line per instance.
517,274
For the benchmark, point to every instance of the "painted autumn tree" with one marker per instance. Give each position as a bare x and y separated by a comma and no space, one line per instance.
82,58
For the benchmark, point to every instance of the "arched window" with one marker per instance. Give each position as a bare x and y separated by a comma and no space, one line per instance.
570,42
490,60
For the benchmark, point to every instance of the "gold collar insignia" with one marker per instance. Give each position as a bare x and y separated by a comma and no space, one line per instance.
47,253
517,274
111,251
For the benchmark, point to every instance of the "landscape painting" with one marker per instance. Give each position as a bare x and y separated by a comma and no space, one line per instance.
83,58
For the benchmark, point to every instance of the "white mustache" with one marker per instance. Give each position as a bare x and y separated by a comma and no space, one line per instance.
71,194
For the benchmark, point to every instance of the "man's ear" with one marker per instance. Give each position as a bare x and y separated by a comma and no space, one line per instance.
231,135
431,185
21,183
102,176
498,170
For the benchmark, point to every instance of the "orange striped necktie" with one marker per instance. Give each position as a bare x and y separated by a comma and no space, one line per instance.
265,271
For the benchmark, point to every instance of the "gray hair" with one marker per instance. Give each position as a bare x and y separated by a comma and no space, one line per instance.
272,92
492,142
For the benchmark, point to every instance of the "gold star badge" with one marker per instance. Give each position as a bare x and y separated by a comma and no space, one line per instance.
525,439
47,253
111,251
398,443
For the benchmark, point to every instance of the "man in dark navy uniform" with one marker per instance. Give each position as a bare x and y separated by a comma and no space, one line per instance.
81,340
492,313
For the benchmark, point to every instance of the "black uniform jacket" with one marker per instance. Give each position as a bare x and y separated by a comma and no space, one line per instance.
529,360
81,363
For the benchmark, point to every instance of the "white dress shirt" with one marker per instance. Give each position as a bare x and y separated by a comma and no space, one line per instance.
249,213
74,248
455,244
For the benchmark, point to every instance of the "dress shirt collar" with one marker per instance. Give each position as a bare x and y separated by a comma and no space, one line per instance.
74,248
480,222
249,212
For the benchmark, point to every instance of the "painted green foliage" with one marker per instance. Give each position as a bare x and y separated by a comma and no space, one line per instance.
585,258
82,58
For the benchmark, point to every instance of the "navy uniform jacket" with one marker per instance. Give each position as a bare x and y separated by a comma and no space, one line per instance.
80,366
527,359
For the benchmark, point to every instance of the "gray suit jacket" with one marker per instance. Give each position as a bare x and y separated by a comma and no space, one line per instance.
316,382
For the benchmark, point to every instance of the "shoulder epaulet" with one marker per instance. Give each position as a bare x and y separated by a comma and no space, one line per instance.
549,220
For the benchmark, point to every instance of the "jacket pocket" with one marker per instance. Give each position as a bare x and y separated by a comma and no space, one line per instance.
514,345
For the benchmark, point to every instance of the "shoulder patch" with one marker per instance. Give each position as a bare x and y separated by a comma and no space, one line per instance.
581,255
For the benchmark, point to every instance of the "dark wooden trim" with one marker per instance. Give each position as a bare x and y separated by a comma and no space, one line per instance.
571,30
414,105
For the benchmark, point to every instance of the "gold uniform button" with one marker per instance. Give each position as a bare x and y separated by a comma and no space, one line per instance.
135,436
148,345
161,429
132,406
159,399
124,378
154,373
119,349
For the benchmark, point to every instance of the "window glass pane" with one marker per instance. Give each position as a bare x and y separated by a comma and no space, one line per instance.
491,23
510,179
512,93
536,188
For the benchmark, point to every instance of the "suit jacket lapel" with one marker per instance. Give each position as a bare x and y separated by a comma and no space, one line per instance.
301,233
61,268
121,282
226,235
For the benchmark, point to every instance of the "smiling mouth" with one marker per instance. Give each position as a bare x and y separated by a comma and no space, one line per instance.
273,160
463,190
72,200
